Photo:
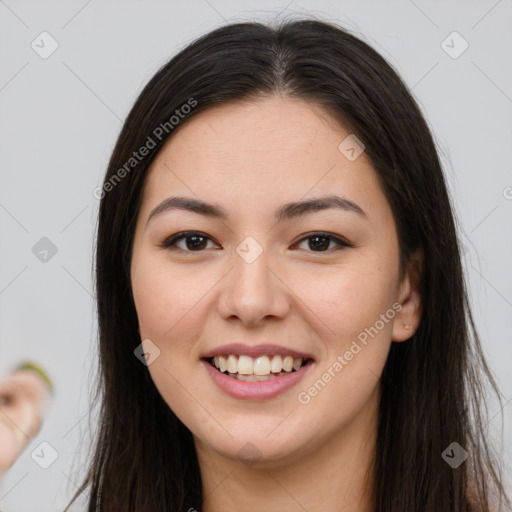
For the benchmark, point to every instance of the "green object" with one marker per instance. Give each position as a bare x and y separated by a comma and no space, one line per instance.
29,365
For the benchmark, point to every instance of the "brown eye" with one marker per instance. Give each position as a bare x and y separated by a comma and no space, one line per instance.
320,242
194,242
197,242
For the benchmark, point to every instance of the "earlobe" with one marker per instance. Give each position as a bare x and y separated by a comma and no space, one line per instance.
408,318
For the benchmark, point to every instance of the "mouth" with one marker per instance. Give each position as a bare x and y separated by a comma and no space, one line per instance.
257,369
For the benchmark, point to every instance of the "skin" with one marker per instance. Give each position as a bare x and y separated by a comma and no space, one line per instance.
24,397
251,158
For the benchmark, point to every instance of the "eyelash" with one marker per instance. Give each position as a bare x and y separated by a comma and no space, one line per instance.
170,243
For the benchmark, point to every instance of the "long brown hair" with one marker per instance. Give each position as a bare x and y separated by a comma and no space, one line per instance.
432,386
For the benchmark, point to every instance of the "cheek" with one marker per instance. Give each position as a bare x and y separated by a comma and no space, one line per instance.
163,298
356,304
351,298
165,302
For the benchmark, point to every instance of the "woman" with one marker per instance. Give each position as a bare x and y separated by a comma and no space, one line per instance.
283,317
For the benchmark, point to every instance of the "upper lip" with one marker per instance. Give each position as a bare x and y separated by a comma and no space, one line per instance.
255,351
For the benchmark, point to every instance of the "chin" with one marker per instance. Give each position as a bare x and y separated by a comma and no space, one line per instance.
256,448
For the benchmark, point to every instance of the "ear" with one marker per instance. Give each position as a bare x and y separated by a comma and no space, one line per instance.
408,318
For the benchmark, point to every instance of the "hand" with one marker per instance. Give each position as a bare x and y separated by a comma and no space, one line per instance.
24,396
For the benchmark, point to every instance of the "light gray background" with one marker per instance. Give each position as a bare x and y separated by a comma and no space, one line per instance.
60,116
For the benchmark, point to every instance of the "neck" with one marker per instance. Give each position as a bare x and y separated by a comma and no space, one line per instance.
336,474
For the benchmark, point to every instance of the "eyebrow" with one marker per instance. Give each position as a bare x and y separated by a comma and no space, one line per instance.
285,212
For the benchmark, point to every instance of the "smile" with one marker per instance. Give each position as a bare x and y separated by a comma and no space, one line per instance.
247,384
256,369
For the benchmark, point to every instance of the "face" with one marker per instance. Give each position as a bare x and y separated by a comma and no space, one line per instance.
273,279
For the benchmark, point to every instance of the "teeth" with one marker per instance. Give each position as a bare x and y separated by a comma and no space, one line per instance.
288,363
262,366
232,364
246,367
256,378
276,365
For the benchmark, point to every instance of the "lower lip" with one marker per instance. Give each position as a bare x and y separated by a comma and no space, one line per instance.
261,390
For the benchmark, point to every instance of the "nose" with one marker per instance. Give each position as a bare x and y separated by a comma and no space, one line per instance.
253,291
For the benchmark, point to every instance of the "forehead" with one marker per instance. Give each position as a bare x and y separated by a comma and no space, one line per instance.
273,128
270,149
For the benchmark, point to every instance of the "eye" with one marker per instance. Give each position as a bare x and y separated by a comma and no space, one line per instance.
319,242
195,241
